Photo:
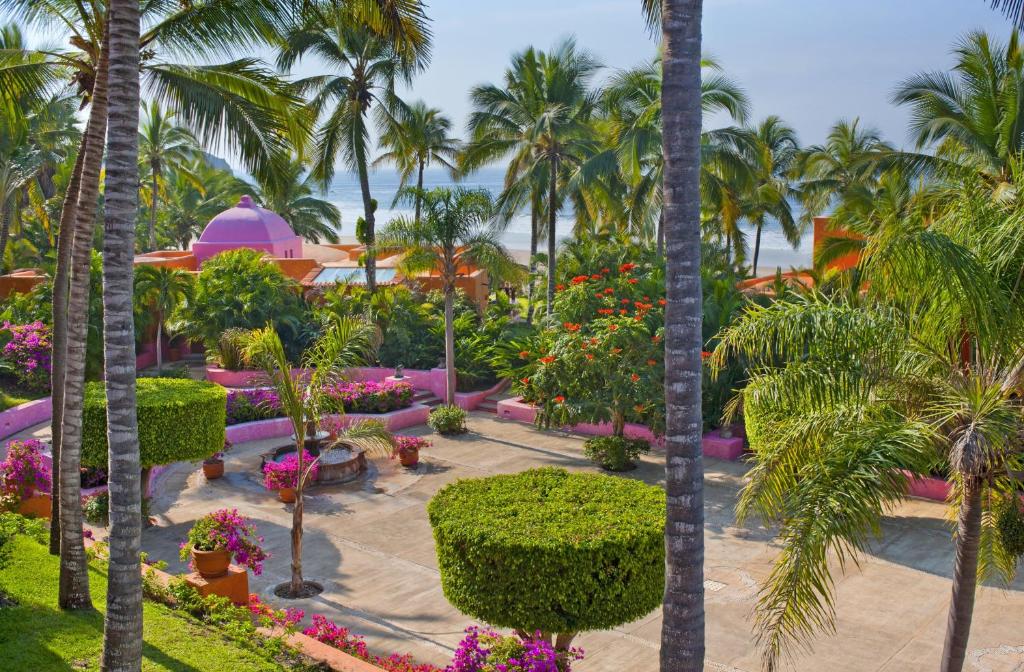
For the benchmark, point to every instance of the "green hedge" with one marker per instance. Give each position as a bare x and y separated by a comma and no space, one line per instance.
179,420
549,550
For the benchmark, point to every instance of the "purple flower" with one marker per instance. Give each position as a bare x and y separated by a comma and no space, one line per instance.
23,472
29,350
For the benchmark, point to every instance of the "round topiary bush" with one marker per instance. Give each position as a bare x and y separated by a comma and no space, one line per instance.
551,551
179,420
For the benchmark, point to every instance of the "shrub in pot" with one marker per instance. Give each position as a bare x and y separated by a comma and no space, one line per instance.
283,475
23,473
407,449
213,466
447,420
549,551
217,538
615,453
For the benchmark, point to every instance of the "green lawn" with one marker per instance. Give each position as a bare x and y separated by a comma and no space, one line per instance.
35,635
12,395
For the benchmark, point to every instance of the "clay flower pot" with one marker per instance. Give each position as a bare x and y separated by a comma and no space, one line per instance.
35,505
211,564
409,457
286,495
213,469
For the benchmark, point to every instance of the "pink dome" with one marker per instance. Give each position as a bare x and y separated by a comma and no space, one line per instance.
248,225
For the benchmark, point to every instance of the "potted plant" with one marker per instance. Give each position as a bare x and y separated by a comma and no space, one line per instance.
283,475
23,473
213,466
407,449
217,538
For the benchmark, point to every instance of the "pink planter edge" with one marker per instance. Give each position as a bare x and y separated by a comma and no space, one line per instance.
470,400
23,416
243,378
928,487
276,428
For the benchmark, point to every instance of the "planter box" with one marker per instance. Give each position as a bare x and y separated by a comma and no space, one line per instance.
243,378
37,506
717,446
470,400
23,416
928,487
276,428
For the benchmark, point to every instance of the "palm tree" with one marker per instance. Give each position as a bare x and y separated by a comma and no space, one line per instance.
456,233
682,633
974,116
162,144
774,148
290,194
541,121
877,385
347,342
194,196
850,161
161,289
122,624
416,137
369,64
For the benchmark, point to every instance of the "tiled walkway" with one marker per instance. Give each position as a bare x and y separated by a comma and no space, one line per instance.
370,545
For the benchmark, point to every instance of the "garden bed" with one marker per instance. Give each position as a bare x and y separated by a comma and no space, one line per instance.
276,428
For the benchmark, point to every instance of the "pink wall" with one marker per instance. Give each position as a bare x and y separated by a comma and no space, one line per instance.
281,427
23,416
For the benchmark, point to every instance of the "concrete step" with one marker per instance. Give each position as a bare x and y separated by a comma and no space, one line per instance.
488,406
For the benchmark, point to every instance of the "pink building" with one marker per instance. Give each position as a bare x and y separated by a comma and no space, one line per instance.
248,225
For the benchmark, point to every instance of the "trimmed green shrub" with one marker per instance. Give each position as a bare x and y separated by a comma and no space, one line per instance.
447,420
1010,523
615,453
179,420
552,551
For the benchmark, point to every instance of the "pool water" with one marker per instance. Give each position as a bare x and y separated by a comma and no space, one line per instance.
357,276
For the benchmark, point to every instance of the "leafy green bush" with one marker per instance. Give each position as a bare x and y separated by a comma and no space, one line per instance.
13,525
447,420
229,352
549,550
1010,523
615,453
179,420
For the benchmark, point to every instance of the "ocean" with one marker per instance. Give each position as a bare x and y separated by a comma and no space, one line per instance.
344,192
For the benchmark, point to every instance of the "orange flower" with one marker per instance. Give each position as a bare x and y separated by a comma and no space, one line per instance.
571,327
599,295
590,356
593,341
623,311
580,279
524,381
704,354
647,298
559,399
625,302
605,311
547,360
626,268
632,281
662,302
595,276
613,327
655,339
639,408
605,271
559,287
652,362
523,354
616,350
609,290
634,377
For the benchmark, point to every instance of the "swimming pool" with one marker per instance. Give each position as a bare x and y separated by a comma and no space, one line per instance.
357,276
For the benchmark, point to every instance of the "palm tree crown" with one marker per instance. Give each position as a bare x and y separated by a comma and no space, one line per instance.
292,196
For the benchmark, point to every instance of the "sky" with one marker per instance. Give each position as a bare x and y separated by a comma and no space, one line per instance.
811,62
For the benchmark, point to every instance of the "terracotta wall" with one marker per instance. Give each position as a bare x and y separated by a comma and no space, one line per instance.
824,230
296,269
170,259
20,282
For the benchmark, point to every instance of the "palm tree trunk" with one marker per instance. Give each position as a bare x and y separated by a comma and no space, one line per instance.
682,633
59,338
660,235
449,341
155,167
757,248
552,219
159,343
364,186
5,229
74,576
965,577
295,588
419,190
122,627
534,224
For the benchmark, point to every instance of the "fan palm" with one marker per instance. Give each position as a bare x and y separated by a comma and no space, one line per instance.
162,145
974,116
347,342
161,289
874,387
290,194
416,137
456,233
369,65
541,121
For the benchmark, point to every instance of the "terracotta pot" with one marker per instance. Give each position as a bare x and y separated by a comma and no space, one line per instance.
211,564
286,495
213,469
410,457
35,506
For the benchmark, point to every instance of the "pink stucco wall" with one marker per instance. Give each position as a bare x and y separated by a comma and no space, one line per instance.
281,427
928,487
23,416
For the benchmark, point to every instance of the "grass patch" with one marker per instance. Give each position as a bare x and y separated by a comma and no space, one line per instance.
35,635
11,395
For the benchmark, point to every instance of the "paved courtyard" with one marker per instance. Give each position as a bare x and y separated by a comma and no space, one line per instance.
370,545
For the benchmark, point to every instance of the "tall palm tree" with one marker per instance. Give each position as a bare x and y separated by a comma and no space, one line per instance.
974,116
122,623
416,137
194,196
906,389
347,342
773,153
369,65
457,232
541,121
161,289
850,161
162,144
290,194
682,633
